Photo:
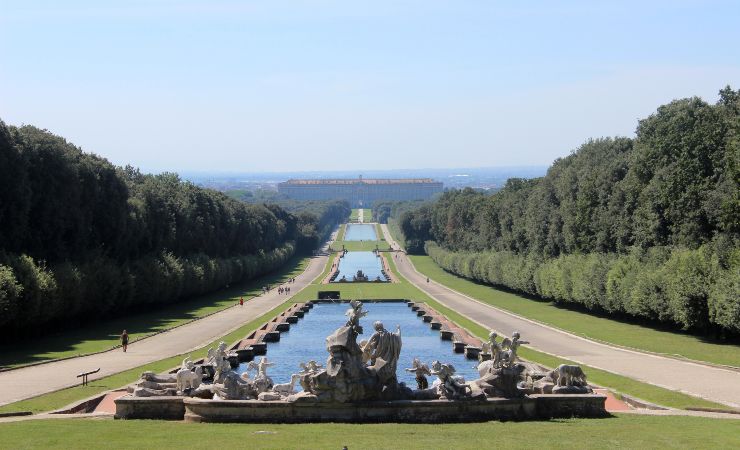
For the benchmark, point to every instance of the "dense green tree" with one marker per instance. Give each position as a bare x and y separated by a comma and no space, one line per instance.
645,227
81,238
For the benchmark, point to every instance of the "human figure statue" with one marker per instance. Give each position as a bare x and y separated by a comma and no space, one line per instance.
310,367
494,349
510,348
384,348
217,359
261,382
354,314
218,354
263,365
421,371
449,388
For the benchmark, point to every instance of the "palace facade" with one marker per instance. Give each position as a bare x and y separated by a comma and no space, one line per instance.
361,192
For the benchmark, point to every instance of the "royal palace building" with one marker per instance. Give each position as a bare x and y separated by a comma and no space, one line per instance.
361,192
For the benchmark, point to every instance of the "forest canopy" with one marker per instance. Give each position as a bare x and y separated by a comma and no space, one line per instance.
645,227
82,238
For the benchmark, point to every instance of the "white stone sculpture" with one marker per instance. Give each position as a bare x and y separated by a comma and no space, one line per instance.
510,348
494,349
217,359
261,382
310,367
287,388
384,349
153,385
449,387
189,376
233,387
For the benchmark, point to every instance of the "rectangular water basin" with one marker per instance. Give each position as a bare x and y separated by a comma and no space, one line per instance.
360,232
368,262
306,340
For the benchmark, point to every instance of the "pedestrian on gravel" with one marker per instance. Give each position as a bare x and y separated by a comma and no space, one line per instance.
241,301
124,340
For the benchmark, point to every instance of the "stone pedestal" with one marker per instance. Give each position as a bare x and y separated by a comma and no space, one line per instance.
402,411
162,408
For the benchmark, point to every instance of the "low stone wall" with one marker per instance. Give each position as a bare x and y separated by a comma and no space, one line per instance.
412,411
161,408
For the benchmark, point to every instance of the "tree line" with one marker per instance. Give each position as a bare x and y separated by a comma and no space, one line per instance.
645,227
383,211
82,239
316,218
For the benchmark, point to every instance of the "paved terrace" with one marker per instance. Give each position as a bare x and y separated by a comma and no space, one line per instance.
711,383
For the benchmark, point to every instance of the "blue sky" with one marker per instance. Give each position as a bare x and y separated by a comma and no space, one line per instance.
250,86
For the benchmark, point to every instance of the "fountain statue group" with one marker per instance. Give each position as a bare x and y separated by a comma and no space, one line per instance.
366,371
360,276
356,372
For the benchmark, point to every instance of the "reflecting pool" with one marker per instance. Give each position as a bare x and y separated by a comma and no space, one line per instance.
307,340
368,262
360,232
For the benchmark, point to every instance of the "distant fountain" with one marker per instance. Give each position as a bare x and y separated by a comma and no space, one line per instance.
360,276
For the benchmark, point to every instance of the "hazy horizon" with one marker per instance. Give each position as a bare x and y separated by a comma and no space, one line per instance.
331,86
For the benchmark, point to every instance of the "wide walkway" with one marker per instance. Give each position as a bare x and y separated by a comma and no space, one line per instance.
715,384
29,382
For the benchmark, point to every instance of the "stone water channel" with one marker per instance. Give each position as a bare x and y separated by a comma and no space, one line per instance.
306,340
368,262
360,232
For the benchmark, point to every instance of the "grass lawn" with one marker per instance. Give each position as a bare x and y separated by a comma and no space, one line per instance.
58,399
588,325
355,215
104,335
342,231
360,246
621,431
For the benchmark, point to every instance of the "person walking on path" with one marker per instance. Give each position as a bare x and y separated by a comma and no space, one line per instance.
124,340
241,301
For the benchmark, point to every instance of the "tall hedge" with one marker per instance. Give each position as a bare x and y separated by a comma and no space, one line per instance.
689,288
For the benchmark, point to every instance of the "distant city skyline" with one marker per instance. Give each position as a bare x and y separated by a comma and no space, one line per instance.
243,86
